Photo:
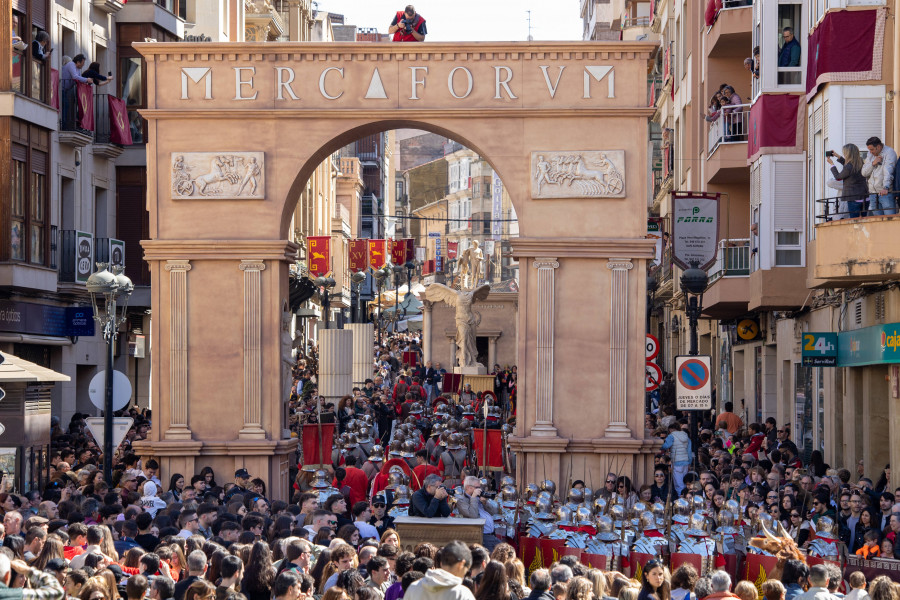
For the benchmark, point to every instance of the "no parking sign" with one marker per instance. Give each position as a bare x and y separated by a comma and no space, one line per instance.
693,388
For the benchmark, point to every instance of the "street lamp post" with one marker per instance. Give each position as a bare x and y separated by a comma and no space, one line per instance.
410,265
325,284
693,284
379,275
110,286
398,273
355,283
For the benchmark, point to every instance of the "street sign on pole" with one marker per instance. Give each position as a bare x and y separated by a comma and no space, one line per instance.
121,425
652,347
654,376
693,385
121,390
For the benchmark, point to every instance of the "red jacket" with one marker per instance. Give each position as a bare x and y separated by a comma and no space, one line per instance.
358,483
400,35
420,473
755,444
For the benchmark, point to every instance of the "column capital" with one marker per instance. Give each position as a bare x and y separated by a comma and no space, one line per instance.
546,263
178,265
619,264
252,265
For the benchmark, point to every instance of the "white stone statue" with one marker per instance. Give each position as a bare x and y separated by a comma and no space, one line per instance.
471,267
287,354
467,320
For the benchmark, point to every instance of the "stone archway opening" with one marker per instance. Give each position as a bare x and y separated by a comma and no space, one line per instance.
563,123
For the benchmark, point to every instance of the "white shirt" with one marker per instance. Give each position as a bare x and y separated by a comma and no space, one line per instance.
366,530
77,562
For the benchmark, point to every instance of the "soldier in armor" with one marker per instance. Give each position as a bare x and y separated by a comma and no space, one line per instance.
651,540
825,542
698,541
408,453
364,439
575,499
432,442
401,502
606,541
454,461
321,486
680,520
353,449
542,523
372,466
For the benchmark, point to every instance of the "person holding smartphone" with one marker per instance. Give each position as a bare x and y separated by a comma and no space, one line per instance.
408,26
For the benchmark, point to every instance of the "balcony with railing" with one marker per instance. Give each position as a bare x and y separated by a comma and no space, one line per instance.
654,89
855,246
103,146
726,145
731,34
70,131
729,280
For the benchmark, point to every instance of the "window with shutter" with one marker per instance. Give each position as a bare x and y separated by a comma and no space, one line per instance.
787,211
863,118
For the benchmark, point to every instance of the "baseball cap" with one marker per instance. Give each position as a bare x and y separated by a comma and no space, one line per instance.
56,565
242,473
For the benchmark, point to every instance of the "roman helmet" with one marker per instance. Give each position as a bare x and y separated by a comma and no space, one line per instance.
564,516
362,436
508,496
646,520
542,507
659,512
826,528
531,492
320,481
396,448
575,497
408,449
697,524
548,486
582,516
682,507
605,528
455,442
445,437
507,480
377,454
725,518
600,505
588,495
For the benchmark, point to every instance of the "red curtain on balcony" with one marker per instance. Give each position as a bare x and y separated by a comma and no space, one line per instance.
712,11
84,94
119,125
846,46
777,125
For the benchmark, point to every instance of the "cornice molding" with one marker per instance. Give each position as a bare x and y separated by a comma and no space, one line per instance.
553,248
392,113
240,250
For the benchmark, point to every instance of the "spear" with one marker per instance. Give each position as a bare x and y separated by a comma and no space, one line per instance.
484,442
319,427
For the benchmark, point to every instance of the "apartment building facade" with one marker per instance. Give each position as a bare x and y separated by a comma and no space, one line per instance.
790,268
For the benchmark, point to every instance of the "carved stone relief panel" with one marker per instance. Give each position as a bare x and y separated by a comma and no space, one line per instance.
578,174
219,175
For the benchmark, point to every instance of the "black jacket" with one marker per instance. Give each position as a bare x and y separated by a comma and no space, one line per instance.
423,504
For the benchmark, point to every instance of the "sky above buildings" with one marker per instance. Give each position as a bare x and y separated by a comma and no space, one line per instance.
471,20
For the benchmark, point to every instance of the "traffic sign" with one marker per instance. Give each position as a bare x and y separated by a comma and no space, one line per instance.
652,347
121,390
654,376
819,349
121,425
693,388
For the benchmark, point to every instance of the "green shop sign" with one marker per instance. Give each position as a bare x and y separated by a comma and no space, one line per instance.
869,346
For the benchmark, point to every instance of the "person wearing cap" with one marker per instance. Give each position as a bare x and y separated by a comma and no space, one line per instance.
380,519
241,479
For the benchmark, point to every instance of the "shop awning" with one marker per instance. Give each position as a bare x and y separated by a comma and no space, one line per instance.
19,370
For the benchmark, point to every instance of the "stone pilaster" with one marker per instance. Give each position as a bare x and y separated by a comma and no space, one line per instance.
618,347
252,428
178,350
546,309
363,342
335,363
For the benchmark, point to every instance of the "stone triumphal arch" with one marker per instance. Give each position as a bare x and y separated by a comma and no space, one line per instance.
235,132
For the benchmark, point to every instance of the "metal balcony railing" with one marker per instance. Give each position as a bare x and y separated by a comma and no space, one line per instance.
630,22
736,3
730,126
732,259
654,89
68,255
101,118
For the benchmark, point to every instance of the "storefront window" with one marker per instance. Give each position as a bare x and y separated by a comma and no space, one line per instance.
803,413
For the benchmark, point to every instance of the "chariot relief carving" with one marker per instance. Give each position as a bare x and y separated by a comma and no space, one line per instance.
578,174
220,175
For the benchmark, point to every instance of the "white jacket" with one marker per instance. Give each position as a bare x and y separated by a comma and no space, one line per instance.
880,176
438,584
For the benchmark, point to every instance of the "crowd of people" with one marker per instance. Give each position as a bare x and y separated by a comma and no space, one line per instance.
404,449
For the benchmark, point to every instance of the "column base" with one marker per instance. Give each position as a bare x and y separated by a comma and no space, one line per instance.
178,433
544,431
252,433
617,430
478,369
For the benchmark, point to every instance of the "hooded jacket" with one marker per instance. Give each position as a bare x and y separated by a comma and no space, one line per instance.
438,584
150,501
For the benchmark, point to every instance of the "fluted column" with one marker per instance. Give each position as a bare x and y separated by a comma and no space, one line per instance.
363,343
618,347
178,350
335,363
252,428
427,306
546,314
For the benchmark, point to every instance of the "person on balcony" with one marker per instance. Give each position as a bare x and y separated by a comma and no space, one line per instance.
789,53
733,114
40,46
93,73
856,188
71,74
878,170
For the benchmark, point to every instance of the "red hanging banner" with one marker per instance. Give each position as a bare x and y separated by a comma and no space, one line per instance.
377,252
119,125
84,94
398,252
358,251
54,88
493,456
452,248
410,249
310,438
318,257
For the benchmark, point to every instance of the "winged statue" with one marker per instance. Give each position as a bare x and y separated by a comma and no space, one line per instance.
467,320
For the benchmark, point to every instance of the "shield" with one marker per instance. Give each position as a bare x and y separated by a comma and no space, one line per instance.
594,561
638,560
551,550
679,558
530,552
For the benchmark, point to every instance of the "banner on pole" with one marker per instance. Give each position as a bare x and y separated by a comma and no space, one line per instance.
377,253
310,439
318,255
358,251
695,229
84,95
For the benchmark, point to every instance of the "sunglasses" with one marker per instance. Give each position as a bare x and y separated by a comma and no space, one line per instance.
795,516
379,505
609,481
332,522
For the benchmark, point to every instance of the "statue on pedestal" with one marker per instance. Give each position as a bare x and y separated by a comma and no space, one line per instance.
467,320
471,266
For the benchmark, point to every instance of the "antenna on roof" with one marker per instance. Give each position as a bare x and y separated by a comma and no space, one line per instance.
530,37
